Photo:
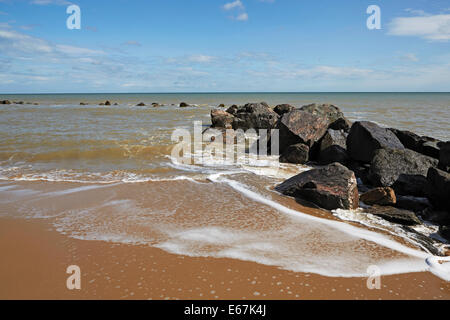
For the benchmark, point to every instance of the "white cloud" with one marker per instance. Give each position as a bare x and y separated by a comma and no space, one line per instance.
200,58
433,27
234,4
242,17
50,2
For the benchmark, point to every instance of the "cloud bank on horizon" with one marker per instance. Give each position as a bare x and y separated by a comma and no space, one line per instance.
219,46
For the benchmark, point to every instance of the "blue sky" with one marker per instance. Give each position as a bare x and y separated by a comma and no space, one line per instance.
223,46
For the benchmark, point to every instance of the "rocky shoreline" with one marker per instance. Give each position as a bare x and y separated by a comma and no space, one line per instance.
103,103
394,174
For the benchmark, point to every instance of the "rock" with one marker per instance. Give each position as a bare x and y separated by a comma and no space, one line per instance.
155,105
332,154
367,137
141,104
421,144
116,104
410,184
184,105
19,102
221,105
283,108
334,137
412,203
221,119
438,188
296,153
360,169
395,215
381,196
301,127
444,156
35,104
438,217
255,116
330,187
233,109
101,104
107,103
400,169
336,119
5,102
444,232
83,104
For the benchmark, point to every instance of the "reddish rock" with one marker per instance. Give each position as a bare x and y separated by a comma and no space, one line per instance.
381,196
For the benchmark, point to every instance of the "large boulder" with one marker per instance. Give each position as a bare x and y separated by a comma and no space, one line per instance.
255,116
221,119
366,137
334,137
401,169
300,126
283,108
296,153
330,187
395,215
336,119
233,109
438,188
381,196
332,154
421,144
444,156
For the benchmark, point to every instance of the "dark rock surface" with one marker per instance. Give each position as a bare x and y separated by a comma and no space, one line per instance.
255,116
393,214
184,105
140,104
332,154
300,126
438,188
444,156
330,187
233,109
421,144
367,137
283,108
296,153
400,169
336,119
412,203
334,137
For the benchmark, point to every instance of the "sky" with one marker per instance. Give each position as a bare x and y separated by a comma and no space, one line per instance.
224,46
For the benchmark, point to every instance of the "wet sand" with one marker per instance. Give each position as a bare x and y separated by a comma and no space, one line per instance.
35,257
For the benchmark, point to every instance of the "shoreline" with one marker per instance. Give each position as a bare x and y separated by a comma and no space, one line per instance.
34,259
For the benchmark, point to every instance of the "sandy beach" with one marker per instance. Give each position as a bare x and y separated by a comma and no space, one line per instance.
35,258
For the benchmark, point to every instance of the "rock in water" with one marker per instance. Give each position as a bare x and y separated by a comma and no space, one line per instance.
255,116
107,103
438,188
141,104
381,196
296,153
334,137
336,119
444,156
184,105
330,187
221,119
400,169
283,108
367,137
301,127
332,154
395,215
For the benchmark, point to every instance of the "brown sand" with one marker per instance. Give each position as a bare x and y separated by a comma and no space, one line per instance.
34,259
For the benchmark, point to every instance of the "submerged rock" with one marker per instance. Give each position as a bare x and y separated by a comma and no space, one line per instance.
402,169
336,119
438,188
283,108
330,187
221,119
300,126
255,116
395,215
367,137
381,196
296,153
